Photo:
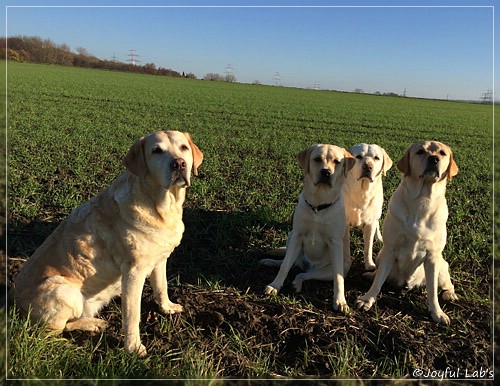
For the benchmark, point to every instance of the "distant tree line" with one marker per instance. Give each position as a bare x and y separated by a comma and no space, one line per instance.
33,49
219,77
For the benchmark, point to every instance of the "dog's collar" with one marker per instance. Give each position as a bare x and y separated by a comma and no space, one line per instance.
319,208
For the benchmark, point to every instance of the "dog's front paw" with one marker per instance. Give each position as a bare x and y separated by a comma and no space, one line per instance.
440,317
172,308
341,306
370,266
365,302
449,296
270,290
137,348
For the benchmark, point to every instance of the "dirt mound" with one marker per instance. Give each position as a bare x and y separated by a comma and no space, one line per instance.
303,335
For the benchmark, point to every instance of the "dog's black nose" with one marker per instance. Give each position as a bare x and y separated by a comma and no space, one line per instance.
368,167
433,159
326,172
179,164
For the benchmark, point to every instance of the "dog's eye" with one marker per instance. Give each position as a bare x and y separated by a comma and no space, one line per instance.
359,156
184,148
421,151
442,152
157,150
318,159
377,158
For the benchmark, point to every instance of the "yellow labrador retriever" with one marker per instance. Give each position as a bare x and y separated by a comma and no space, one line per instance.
415,228
316,241
364,195
109,245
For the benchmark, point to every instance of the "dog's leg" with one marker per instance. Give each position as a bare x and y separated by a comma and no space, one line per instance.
64,308
132,285
86,324
369,231
336,248
293,250
347,250
159,283
445,283
386,261
431,265
378,234
323,274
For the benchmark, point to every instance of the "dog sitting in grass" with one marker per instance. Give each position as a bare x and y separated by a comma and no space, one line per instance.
315,243
363,194
415,228
109,245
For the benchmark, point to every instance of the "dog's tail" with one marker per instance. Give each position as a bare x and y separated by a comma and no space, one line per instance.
279,252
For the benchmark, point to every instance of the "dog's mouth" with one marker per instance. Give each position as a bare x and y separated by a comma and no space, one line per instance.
179,179
324,180
366,176
430,173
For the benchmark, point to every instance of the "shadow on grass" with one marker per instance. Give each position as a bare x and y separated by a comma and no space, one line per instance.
217,246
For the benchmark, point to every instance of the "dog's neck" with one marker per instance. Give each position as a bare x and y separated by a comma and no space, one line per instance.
167,202
420,188
317,196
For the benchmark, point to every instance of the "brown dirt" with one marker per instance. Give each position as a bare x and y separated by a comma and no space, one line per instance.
284,331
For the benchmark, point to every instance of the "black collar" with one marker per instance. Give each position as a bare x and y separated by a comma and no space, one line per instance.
318,208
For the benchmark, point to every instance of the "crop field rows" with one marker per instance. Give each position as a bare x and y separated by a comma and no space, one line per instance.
68,131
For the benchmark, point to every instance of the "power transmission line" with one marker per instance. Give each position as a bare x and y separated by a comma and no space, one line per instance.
277,78
133,57
487,96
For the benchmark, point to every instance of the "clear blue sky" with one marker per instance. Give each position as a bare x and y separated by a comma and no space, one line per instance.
431,52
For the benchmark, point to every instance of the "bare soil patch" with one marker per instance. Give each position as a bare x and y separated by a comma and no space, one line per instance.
285,331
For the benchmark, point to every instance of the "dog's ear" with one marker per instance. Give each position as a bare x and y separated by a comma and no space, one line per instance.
403,164
303,158
387,162
135,160
452,167
349,162
197,154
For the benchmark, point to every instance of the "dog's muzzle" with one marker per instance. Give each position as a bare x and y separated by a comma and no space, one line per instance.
432,167
366,172
324,176
179,172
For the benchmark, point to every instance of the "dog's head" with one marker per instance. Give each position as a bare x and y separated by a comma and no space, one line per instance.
165,158
428,160
323,164
371,161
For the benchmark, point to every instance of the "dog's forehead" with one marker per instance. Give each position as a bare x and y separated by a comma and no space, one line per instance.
156,137
327,151
366,150
166,138
431,146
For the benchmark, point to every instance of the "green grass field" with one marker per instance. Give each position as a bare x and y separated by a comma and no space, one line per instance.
68,130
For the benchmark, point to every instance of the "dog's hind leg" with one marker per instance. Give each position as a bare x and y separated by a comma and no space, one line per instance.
60,305
324,274
293,252
386,262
